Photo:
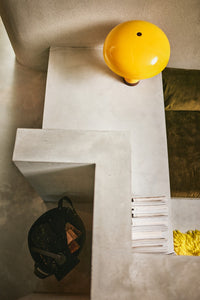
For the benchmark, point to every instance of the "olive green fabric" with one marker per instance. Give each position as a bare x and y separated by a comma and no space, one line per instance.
183,134
182,108
181,89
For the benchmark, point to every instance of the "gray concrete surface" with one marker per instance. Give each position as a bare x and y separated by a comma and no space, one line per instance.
21,97
185,214
53,180
21,105
47,296
83,94
110,151
34,26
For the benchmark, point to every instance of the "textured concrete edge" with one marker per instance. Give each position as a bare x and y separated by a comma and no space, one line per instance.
45,296
111,152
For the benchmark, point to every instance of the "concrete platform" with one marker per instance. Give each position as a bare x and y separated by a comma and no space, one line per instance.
101,141
117,273
83,94
111,242
151,277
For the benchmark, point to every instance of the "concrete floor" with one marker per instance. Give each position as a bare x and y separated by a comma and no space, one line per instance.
22,96
22,93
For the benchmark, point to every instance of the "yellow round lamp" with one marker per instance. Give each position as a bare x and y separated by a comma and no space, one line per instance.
136,50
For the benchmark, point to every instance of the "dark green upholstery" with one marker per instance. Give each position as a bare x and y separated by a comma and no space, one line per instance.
181,89
183,135
182,109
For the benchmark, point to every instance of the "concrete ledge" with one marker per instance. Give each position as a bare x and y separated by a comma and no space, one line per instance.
83,94
111,154
53,180
43,296
117,273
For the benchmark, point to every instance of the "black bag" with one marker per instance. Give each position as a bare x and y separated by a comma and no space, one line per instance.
48,243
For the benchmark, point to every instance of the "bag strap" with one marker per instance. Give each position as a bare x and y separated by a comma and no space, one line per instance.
58,257
60,203
39,273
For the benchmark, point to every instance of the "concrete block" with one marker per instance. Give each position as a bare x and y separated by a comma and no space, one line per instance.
83,94
110,152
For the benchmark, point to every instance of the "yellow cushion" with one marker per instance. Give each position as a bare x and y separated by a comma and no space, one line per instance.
187,243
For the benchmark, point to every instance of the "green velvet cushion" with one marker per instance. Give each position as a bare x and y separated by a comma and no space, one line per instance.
181,89
183,135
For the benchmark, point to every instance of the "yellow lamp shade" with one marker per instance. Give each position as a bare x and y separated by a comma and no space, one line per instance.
136,50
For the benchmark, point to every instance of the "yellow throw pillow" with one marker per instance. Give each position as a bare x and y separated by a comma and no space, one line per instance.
187,243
